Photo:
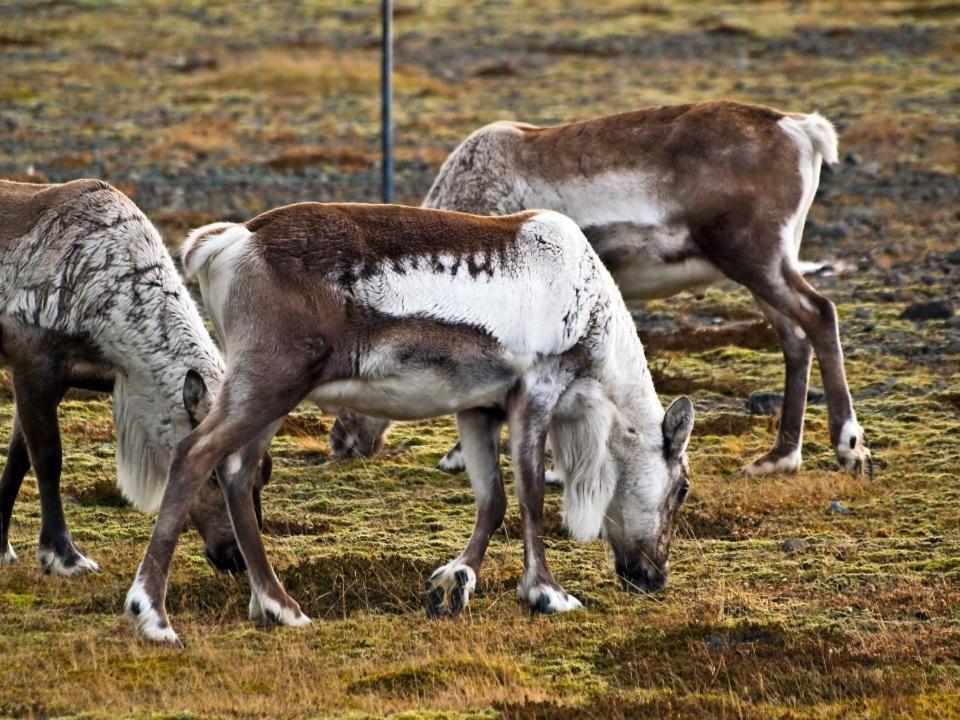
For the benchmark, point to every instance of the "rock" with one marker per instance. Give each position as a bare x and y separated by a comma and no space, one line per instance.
833,232
939,309
795,546
770,403
764,403
837,508
863,314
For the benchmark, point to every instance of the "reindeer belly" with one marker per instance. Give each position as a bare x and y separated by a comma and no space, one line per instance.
651,261
414,395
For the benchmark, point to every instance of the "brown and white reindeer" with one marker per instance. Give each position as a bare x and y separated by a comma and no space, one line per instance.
399,312
674,198
90,298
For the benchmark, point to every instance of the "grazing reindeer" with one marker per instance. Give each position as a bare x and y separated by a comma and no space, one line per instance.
675,198
398,312
91,299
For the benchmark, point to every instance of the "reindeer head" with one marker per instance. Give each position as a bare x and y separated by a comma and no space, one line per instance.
209,510
625,476
652,483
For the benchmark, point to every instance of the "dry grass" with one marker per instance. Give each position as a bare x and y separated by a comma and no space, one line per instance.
224,109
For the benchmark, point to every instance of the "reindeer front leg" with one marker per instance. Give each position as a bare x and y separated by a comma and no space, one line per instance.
530,408
450,585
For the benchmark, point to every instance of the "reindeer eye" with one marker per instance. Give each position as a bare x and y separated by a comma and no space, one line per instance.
632,431
682,492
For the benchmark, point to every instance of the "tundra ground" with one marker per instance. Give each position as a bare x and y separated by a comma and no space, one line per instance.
204,111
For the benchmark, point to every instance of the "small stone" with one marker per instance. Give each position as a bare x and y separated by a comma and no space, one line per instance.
764,403
837,508
939,309
795,546
833,232
863,314
770,403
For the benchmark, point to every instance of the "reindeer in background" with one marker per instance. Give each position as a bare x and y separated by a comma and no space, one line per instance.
90,298
399,312
674,198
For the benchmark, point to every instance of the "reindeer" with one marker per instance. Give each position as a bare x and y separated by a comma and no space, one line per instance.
91,299
398,312
674,198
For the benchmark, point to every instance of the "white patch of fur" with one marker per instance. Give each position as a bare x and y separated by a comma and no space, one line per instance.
787,464
609,197
558,600
234,463
264,610
147,622
9,557
545,284
445,576
579,436
219,235
53,563
142,460
213,263
552,477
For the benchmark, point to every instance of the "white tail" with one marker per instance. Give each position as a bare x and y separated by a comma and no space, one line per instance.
823,136
205,243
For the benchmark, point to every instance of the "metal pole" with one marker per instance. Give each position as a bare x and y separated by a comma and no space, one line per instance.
386,99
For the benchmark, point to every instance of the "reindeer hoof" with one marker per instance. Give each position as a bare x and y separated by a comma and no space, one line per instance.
266,611
774,464
449,589
9,557
548,599
852,451
148,623
71,563
453,461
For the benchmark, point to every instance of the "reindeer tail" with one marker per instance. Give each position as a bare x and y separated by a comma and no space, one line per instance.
822,135
204,244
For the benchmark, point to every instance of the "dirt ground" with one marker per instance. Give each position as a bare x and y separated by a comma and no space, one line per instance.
213,110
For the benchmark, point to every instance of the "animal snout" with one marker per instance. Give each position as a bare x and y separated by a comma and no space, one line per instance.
643,576
352,442
227,558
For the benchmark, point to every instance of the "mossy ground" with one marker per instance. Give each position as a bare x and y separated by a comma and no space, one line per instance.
204,110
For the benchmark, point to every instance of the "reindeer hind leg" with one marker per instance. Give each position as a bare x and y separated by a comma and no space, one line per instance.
18,463
450,586
785,456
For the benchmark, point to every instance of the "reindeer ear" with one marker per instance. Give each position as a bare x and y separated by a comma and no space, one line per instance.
196,401
677,426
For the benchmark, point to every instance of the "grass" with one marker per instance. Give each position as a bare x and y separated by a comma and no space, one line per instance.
225,109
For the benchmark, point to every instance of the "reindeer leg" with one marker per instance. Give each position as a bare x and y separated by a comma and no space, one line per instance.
450,585
784,456
18,463
38,390
529,419
236,419
817,317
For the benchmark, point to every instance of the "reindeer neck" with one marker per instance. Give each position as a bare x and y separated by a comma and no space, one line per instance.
155,345
626,374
